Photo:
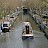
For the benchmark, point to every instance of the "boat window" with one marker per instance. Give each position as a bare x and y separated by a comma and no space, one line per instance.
27,29
5,25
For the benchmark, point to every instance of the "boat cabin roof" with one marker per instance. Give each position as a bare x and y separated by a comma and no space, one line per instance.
27,23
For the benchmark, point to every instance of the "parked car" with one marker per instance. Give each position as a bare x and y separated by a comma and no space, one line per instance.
43,25
38,20
46,25
34,16
11,17
45,17
5,26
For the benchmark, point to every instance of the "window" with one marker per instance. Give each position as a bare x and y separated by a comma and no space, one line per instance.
5,25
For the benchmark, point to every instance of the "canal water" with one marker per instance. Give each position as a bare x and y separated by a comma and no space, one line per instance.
13,39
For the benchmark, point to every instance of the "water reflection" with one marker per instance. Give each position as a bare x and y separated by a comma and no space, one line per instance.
26,43
4,40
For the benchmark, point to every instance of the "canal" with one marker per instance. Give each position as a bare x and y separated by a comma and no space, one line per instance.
13,39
